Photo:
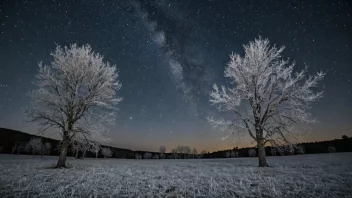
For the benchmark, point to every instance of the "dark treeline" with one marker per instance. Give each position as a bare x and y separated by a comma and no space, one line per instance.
13,142
337,145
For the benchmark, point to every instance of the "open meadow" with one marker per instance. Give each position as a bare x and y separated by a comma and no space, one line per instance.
320,175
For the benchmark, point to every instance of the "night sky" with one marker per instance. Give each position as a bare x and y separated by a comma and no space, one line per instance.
169,53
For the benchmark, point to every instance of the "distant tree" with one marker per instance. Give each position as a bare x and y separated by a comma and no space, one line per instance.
162,151
269,101
194,152
75,94
34,146
301,149
344,137
138,156
18,147
86,145
174,153
227,154
186,151
76,147
156,156
95,148
232,153
147,156
252,152
331,149
180,150
106,152
1,148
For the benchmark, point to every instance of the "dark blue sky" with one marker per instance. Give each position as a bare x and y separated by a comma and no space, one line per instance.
169,53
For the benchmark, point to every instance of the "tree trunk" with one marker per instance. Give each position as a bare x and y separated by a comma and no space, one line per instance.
261,154
84,154
61,163
76,157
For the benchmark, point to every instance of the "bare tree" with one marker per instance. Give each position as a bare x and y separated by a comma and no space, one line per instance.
147,156
268,100
85,146
106,152
138,156
75,147
174,152
194,152
46,148
34,146
76,94
95,148
186,151
18,147
162,151
203,153
301,149
252,152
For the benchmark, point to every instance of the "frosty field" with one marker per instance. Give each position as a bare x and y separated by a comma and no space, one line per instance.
321,175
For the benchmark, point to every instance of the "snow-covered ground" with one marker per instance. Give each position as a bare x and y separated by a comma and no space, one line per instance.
321,175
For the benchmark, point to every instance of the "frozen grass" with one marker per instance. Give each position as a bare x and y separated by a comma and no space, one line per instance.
322,175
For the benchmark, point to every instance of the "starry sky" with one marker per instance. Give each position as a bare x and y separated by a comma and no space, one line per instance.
169,53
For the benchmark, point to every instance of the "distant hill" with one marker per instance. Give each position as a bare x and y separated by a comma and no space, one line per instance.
12,141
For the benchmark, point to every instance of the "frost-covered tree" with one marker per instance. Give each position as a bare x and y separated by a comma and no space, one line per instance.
331,149
106,152
147,156
301,149
76,94
267,99
75,147
34,146
252,152
86,145
95,148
